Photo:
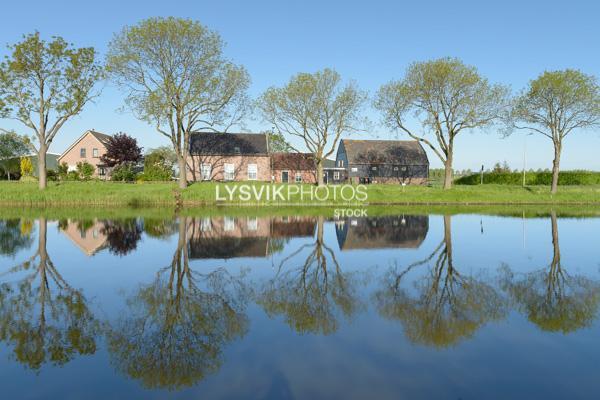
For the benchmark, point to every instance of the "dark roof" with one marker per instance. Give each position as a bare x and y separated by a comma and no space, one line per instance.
103,138
404,152
327,163
382,232
294,161
209,143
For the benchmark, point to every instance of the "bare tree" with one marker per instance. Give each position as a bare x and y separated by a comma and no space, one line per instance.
447,97
317,109
555,105
44,84
177,79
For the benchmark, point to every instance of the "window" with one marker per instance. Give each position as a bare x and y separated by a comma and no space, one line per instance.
354,169
340,163
336,175
236,150
229,224
252,224
395,168
101,171
95,233
373,168
403,169
252,172
206,170
298,177
285,176
82,152
229,172
205,225
95,153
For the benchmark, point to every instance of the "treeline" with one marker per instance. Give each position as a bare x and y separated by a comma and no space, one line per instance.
530,178
174,76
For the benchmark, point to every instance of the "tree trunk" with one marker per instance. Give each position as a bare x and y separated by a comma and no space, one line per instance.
555,167
182,171
448,172
320,172
555,246
448,238
42,166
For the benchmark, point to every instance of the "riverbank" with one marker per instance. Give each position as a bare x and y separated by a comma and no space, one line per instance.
112,194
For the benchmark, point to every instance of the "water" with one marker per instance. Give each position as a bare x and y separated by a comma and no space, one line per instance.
398,306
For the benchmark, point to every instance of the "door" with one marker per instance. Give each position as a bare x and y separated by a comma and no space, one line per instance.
285,176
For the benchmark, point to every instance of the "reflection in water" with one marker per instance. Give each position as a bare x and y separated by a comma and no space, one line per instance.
447,307
44,318
397,231
121,237
551,298
173,331
15,235
312,293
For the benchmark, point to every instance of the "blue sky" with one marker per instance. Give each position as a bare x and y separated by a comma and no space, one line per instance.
371,42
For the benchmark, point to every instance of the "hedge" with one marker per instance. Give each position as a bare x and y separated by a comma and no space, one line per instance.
531,178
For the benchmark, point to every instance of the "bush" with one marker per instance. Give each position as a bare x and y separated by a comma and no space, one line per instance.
63,171
26,167
123,173
532,178
51,175
85,170
72,176
158,165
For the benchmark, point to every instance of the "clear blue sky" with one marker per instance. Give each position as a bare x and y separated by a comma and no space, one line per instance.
369,41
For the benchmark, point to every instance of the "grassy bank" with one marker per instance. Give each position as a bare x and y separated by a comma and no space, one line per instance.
108,194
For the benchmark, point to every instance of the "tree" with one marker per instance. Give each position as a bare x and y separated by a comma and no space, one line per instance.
85,170
44,84
177,79
277,143
317,109
447,97
551,298
12,146
26,166
121,149
556,104
448,306
159,163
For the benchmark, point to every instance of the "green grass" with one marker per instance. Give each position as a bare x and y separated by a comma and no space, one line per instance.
565,178
111,194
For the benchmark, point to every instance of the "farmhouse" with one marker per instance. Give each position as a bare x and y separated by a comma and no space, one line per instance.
383,161
229,157
293,168
89,147
380,233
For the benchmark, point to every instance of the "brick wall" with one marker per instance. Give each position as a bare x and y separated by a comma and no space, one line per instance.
240,167
73,156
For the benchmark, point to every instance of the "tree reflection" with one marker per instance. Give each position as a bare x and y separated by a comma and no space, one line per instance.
445,306
311,295
122,236
44,318
174,330
552,299
15,235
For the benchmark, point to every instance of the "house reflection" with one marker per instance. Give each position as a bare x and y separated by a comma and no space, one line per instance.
235,237
88,235
396,231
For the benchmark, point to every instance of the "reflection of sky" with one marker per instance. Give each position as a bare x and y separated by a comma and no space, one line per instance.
367,356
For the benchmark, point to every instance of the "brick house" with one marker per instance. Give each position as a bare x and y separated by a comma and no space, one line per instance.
383,161
229,157
293,168
89,147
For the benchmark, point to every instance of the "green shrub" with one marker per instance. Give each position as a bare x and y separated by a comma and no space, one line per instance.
51,175
72,176
123,173
63,171
158,165
532,178
85,170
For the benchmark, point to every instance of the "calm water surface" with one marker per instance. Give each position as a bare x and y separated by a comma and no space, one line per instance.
402,306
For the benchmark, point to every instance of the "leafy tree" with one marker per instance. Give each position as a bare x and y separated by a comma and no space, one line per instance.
178,80
447,97
63,170
277,143
122,236
42,317
12,146
317,109
556,104
175,329
553,299
121,149
159,163
26,166
448,307
311,295
85,170
44,84
123,173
